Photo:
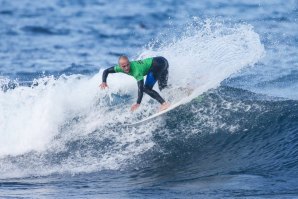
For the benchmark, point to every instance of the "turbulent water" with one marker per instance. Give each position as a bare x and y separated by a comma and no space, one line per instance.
61,136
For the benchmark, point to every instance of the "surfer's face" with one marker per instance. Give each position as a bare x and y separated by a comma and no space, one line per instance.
124,64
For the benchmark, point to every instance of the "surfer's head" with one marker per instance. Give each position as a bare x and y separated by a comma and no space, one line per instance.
124,63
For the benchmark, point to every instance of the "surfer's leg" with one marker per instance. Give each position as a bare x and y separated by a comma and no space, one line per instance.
159,69
150,80
163,80
152,93
149,83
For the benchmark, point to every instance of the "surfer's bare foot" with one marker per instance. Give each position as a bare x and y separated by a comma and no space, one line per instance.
164,106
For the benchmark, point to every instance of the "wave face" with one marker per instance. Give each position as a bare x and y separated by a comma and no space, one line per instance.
56,111
235,137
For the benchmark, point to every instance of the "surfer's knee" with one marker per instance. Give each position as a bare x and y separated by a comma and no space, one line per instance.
146,89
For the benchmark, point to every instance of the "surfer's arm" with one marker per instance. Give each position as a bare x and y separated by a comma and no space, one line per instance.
140,91
140,95
106,73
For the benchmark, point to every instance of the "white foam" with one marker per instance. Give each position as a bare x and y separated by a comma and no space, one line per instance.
207,55
32,116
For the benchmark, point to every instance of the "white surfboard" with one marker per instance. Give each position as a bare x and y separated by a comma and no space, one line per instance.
172,106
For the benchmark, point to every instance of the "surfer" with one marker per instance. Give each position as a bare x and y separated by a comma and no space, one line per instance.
156,69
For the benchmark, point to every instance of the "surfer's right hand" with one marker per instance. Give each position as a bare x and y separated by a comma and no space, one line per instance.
103,85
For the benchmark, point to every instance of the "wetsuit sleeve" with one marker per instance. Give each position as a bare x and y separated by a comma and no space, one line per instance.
140,91
106,73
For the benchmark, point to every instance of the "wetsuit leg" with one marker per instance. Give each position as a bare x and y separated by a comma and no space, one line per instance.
150,81
163,80
160,71
152,93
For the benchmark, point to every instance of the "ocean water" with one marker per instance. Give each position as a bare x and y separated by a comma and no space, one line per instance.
63,137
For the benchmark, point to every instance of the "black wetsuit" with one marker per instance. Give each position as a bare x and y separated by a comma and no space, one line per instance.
157,72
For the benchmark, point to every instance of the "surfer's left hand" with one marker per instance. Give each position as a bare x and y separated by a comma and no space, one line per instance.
134,107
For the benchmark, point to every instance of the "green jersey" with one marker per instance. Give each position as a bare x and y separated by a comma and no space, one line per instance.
138,69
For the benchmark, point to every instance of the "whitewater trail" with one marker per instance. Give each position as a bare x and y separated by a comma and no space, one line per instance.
71,118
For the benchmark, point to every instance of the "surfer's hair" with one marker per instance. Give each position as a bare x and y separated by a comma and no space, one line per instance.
123,57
